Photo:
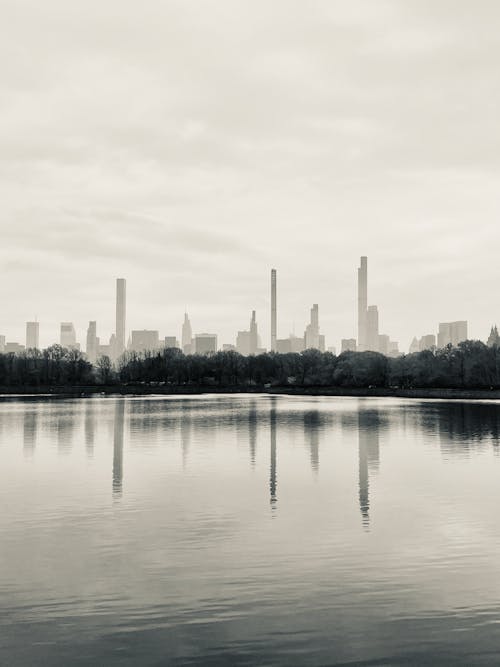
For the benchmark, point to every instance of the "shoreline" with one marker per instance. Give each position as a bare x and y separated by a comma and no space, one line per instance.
147,390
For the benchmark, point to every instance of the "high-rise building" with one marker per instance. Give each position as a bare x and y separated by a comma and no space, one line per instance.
121,309
254,336
363,304
13,348
414,346
290,344
274,328
372,329
187,335
312,335
144,340
427,342
348,345
393,348
2,343
205,343
92,342
170,341
383,344
68,335
284,345
247,342
452,333
32,335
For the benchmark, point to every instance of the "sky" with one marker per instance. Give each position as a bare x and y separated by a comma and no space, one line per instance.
190,146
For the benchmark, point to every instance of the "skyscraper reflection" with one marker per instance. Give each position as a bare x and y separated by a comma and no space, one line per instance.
252,432
272,477
186,425
65,426
368,449
118,447
30,430
89,427
311,433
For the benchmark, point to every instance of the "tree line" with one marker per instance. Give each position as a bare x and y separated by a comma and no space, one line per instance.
471,364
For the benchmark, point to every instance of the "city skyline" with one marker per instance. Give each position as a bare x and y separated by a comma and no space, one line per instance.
304,153
49,331
247,342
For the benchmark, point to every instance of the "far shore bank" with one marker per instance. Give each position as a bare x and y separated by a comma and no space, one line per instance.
186,390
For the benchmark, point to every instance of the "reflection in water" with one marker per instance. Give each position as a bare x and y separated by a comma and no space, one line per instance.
464,427
30,430
311,432
212,581
118,448
65,426
272,476
368,448
186,424
252,431
89,428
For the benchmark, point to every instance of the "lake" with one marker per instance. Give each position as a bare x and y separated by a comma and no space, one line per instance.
249,530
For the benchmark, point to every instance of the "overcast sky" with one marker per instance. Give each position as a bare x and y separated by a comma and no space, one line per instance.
192,146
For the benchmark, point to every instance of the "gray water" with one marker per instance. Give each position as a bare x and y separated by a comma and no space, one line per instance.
249,530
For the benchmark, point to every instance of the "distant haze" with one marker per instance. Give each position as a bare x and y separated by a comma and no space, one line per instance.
190,147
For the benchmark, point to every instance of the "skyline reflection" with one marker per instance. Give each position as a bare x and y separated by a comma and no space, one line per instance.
118,448
369,457
273,483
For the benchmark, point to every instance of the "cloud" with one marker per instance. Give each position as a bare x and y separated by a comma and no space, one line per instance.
194,146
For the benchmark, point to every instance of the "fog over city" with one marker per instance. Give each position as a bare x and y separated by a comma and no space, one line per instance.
190,147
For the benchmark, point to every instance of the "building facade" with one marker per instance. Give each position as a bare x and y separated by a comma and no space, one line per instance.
452,333
32,335
144,340
92,343
205,343
121,311
68,335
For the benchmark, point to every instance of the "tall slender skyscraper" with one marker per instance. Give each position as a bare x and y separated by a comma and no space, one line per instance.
32,335
121,305
311,335
362,304
372,335
187,335
273,311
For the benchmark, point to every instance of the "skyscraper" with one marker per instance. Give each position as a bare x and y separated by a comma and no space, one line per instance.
254,336
247,342
121,305
348,345
362,304
32,335
372,336
68,335
92,342
452,333
311,335
273,311
187,335
205,343
144,340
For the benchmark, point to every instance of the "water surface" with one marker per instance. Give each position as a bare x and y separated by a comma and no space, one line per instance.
249,530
